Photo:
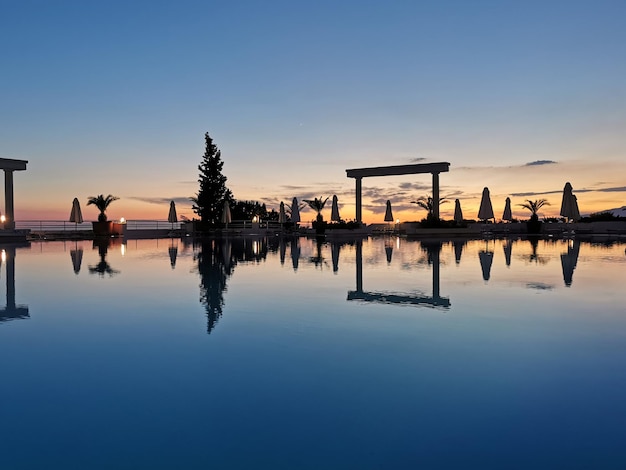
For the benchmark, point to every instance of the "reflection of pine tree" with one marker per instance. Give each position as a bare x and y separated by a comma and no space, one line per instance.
214,267
216,263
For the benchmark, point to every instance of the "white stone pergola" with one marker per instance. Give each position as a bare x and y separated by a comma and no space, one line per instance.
9,166
434,168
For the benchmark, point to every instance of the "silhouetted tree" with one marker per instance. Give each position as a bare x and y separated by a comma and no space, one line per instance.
428,204
317,205
534,206
245,210
209,201
101,203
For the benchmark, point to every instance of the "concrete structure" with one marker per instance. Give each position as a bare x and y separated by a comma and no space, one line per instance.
434,168
9,166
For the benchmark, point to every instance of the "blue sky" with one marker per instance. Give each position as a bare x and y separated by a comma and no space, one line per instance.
115,97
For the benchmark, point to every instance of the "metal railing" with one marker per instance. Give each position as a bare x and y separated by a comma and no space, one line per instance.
43,226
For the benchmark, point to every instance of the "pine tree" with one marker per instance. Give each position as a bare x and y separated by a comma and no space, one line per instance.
209,201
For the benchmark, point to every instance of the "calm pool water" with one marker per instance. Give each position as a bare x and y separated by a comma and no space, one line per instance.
262,353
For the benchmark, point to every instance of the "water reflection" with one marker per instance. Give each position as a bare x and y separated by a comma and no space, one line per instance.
76,254
433,253
217,260
569,261
458,249
295,253
11,311
508,250
172,251
486,260
534,256
103,266
215,268
318,259
388,249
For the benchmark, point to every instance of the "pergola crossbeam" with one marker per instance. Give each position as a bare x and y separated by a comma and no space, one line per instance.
434,168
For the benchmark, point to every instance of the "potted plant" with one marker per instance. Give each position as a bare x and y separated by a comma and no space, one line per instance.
534,224
102,226
318,205
428,204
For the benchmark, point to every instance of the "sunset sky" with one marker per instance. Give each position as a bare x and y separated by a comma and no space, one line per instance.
115,97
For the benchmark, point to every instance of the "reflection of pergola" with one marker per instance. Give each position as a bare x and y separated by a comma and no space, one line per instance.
388,298
12,311
9,166
434,168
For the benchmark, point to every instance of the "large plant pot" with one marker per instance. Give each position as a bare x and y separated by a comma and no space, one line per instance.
534,226
102,228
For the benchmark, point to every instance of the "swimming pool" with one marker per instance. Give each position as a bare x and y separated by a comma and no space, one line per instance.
289,353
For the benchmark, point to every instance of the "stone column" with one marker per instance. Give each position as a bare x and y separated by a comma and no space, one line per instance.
436,195
359,266
8,200
359,212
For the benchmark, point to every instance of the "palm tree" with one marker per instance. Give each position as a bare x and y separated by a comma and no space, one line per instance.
317,205
534,206
101,203
428,204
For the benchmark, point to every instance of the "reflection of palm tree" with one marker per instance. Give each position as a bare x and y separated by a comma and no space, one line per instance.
534,257
318,259
102,267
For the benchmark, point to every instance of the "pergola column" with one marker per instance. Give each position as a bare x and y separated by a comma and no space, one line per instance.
359,210
8,200
436,194
9,166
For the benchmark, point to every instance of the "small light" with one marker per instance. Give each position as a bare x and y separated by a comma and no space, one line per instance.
122,220
3,219
4,256
397,221
123,248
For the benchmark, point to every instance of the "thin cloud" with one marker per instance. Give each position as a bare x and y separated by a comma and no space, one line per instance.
615,189
542,193
161,200
417,159
415,186
541,162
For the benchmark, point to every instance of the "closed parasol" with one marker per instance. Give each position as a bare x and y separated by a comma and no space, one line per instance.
507,215
76,215
486,209
567,209
388,213
295,211
172,218
458,213
575,211
334,213
226,216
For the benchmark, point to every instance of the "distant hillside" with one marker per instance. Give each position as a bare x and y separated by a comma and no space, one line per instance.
617,212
